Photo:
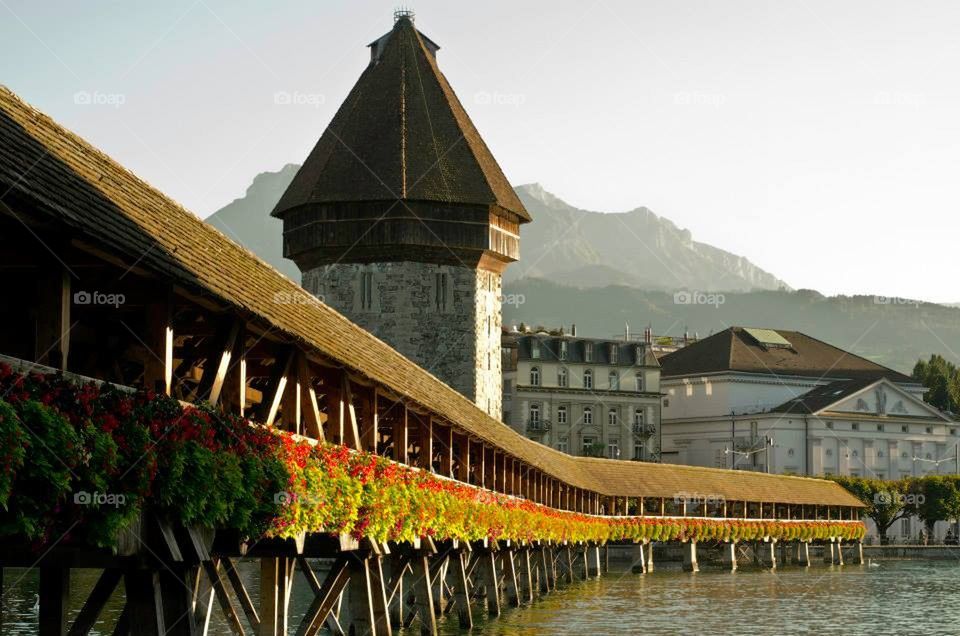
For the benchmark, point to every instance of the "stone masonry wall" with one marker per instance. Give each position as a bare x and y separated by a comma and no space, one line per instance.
445,318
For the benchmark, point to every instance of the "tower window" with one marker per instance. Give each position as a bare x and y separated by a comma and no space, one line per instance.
441,291
366,291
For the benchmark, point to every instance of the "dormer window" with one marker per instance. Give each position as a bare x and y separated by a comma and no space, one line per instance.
563,350
638,355
588,352
614,353
535,349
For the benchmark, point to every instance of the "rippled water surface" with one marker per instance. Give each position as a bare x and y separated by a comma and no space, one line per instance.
899,597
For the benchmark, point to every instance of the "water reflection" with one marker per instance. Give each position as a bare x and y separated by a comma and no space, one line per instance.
912,597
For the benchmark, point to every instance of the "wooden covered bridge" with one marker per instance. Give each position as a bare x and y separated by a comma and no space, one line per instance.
104,277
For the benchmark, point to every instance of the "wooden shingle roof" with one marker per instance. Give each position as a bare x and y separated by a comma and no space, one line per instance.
48,174
734,349
402,133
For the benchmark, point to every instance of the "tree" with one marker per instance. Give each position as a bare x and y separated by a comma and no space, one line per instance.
942,380
886,501
937,499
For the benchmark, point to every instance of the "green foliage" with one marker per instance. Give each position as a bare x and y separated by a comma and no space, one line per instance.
886,501
938,498
12,450
942,379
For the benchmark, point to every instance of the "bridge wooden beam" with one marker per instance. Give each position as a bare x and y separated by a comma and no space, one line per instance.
158,339
273,395
463,458
369,419
310,405
425,459
401,441
351,429
218,362
54,301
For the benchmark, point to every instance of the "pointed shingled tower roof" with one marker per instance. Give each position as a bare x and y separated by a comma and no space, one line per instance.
402,133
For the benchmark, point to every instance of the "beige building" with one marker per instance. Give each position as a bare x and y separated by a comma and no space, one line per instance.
583,396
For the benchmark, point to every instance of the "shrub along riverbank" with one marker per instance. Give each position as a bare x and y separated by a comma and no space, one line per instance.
81,462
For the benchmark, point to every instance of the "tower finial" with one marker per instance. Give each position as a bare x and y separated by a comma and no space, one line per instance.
403,13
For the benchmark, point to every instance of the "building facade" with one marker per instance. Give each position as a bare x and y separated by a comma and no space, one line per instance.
783,402
402,220
583,396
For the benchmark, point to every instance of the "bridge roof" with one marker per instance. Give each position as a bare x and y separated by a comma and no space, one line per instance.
48,172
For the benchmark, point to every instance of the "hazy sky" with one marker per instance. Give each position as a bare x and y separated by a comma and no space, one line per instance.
819,139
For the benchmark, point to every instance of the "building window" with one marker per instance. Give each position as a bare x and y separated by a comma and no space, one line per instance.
366,291
614,379
639,382
638,451
562,445
614,354
588,379
953,432
587,416
563,349
638,420
535,349
588,446
855,426
879,428
880,454
829,452
612,417
535,376
441,292
638,355
929,430
508,387
535,417
613,449
829,424
904,429
904,455
562,377
562,415
588,352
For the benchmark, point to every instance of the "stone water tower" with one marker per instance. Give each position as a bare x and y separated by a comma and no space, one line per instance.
401,219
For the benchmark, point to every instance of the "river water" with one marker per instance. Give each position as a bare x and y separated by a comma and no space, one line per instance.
898,597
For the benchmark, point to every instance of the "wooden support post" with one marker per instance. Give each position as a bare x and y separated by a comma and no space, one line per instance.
158,359
369,419
639,560
378,591
397,566
445,443
463,459
336,411
461,590
857,553
650,557
586,561
490,580
525,575
144,603
309,404
54,600
351,430
543,569
510,575
568,557
54,301
730,555
361,618
426,444
275,576
234,395
98,598
802,555
218,363
690,557
594,555
326,598
273,396
828,553
769,554
240,590
424,595
401,440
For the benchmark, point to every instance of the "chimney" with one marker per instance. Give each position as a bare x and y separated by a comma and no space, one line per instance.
626,332
573,330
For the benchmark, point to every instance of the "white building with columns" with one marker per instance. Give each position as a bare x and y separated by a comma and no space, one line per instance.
784,402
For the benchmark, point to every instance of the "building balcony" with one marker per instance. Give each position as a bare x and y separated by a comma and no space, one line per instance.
644,430
538,426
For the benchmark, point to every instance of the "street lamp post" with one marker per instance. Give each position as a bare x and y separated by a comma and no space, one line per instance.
767,445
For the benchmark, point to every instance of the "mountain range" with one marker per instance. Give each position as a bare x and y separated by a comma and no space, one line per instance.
603,271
